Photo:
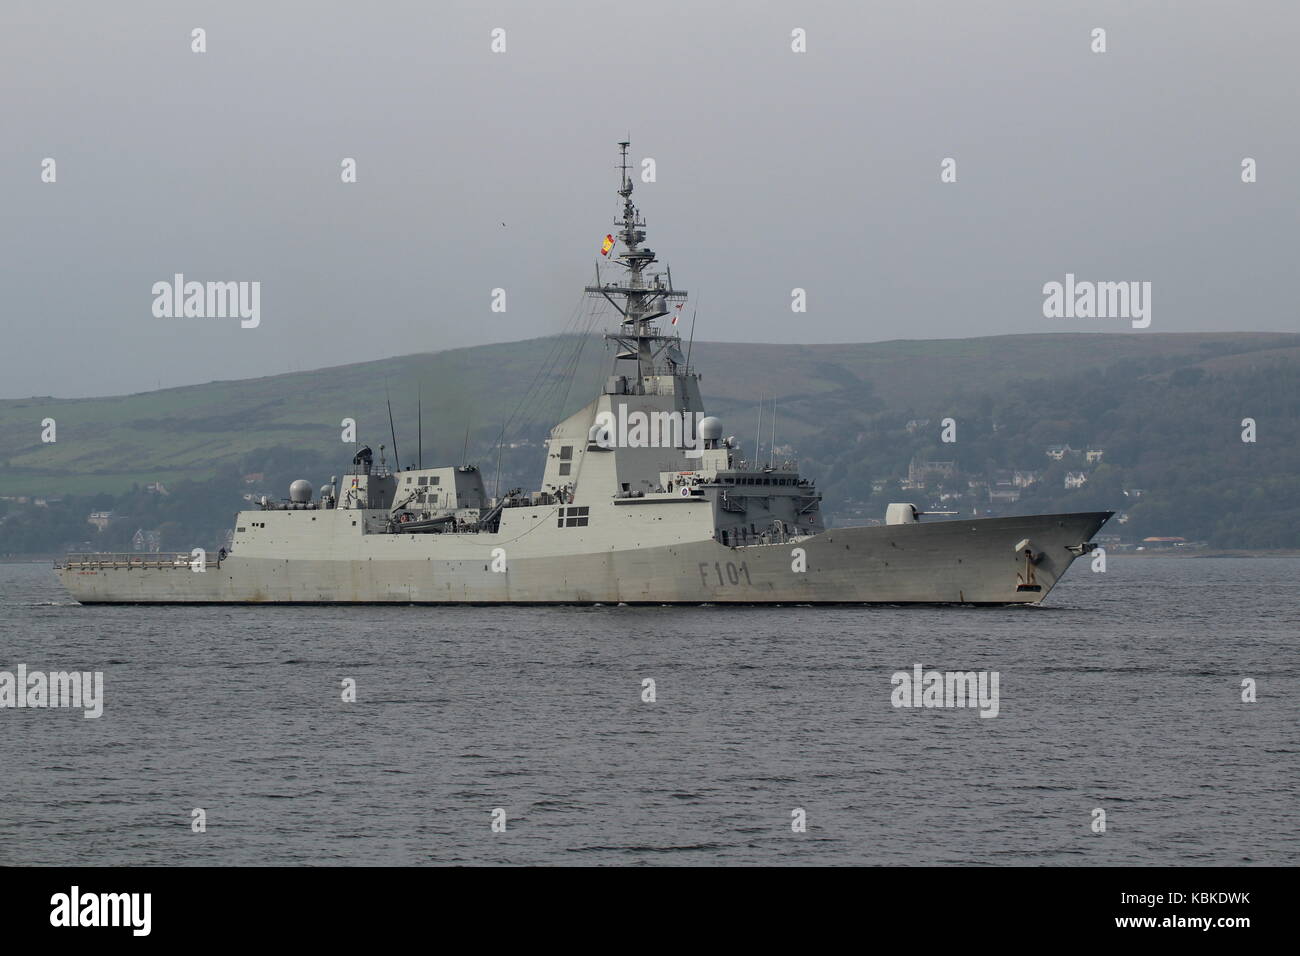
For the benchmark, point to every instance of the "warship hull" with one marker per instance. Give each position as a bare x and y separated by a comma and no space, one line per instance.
975,561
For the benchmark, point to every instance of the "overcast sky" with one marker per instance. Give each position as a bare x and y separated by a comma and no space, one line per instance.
775,170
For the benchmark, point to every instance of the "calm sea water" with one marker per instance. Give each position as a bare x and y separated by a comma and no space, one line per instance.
1123,693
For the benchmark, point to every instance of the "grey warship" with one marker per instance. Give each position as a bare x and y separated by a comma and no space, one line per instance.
643,501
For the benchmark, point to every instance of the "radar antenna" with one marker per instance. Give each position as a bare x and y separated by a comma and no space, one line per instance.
646,296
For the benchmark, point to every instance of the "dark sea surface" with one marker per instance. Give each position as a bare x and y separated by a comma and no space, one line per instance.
1123,692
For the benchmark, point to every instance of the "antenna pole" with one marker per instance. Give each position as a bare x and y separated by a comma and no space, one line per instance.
419,426
496,493
758,432
771,448
691,344
464,451
391,430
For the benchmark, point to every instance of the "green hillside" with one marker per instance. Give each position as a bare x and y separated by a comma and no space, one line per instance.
1166,409
1166,431
109,444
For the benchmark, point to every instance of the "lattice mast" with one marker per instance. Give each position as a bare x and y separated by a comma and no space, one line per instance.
646,296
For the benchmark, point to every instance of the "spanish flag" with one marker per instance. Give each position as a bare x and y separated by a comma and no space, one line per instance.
607,245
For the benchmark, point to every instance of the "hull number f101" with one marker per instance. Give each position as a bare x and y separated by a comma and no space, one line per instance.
727,574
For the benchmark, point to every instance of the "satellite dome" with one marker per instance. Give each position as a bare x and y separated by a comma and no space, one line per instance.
711,428
300,491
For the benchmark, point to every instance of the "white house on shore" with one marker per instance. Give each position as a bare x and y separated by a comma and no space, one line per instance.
100,519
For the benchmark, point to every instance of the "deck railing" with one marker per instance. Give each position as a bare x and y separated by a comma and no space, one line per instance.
133,559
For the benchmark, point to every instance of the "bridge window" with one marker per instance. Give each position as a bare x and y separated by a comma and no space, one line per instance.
424,479
566,453
565,468
574,517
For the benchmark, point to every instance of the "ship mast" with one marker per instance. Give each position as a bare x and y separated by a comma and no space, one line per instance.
646,296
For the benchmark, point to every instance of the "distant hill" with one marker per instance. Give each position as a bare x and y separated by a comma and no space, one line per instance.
1165,430
865,421
109,444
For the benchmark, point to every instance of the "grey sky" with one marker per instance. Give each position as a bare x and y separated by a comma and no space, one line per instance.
775,170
